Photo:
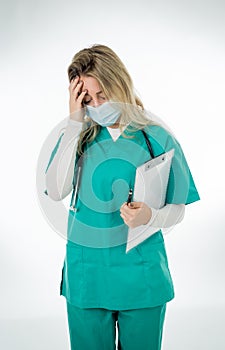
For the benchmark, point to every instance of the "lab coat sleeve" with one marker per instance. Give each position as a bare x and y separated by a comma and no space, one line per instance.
60,169
167,216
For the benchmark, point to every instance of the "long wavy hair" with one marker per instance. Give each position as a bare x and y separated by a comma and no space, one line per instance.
102,63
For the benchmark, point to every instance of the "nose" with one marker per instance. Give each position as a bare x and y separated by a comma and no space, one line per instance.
95,102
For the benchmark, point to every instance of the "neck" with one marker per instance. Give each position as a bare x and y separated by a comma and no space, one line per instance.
116,125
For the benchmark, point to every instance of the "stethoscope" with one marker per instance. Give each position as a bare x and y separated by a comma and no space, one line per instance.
76,183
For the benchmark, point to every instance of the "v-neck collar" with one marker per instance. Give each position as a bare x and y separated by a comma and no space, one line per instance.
106,134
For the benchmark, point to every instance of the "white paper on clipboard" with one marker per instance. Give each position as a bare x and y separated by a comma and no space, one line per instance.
150,187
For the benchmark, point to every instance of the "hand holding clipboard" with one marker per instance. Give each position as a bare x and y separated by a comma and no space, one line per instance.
150,187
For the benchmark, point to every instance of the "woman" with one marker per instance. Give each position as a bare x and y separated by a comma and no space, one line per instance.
103,285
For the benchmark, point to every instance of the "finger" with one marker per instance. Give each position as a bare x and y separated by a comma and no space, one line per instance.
124,216
76,78
123,205
135,205
125,219
77,88
81,96
126,209
73,82
123,208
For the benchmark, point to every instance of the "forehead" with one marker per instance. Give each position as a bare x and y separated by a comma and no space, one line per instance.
90,83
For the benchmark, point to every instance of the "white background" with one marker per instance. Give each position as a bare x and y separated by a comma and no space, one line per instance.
175,54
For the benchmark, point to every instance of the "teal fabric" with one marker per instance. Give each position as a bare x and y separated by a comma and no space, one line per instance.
96,328
181,187
107,174
97,272
110,278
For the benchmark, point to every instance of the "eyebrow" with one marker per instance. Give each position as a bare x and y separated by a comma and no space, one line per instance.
97,93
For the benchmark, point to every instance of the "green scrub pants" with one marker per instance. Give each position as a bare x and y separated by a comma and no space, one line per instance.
95,328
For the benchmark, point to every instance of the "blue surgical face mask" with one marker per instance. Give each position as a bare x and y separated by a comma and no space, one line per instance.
105,114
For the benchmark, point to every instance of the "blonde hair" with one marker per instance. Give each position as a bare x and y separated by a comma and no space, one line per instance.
102,63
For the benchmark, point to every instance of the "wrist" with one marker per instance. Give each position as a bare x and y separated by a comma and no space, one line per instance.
149,216
154,213
77,116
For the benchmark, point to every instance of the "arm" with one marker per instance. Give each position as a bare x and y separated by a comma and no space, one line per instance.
60,170
167,216
59,174
139,213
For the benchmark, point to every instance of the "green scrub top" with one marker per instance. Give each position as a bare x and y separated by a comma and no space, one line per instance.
97,272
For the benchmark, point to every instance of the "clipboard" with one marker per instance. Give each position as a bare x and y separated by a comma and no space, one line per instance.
150,187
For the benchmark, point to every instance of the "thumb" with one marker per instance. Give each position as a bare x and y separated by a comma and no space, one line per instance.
135,204
132,205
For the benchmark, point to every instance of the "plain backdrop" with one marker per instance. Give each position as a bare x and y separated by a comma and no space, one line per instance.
175,53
